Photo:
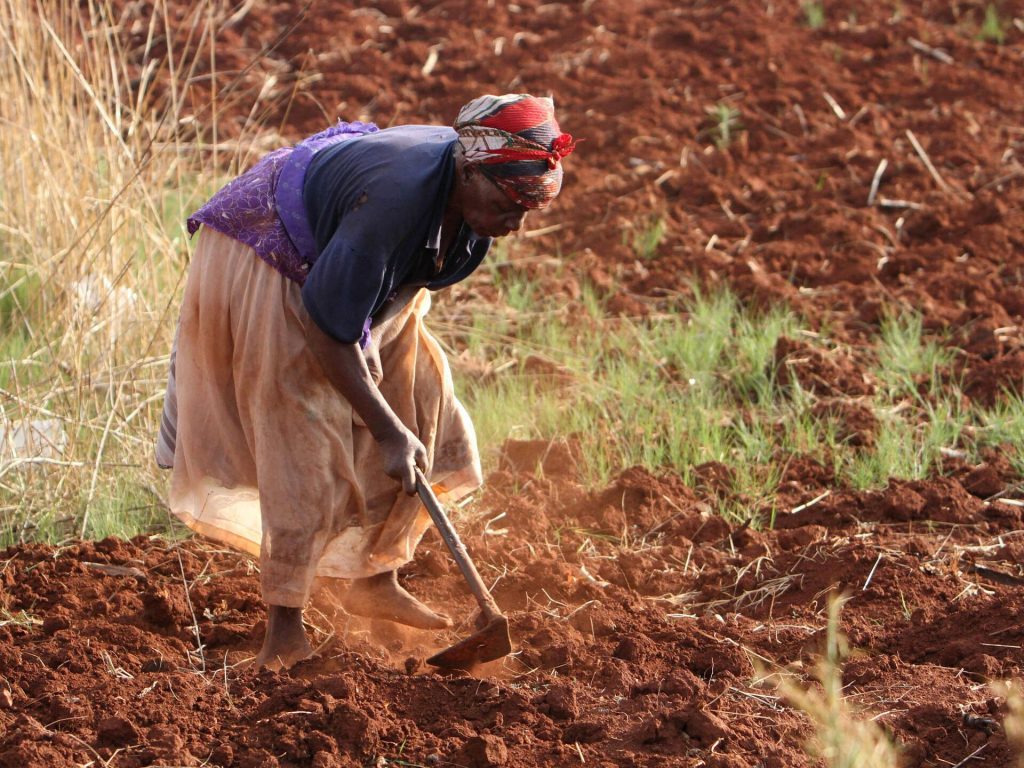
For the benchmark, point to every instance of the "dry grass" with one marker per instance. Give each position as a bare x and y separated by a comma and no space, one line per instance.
99,161
842,738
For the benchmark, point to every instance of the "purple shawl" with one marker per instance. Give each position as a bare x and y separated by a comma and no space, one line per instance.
263,207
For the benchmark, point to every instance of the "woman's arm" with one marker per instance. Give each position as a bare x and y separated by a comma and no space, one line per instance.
346,369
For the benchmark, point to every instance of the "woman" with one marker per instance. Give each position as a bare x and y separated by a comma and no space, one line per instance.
304,388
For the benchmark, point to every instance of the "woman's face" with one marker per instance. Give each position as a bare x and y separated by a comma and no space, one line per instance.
487,210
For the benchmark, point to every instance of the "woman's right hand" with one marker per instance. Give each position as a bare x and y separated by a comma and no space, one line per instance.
403,453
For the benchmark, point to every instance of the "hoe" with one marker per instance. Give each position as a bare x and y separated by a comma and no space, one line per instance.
493,640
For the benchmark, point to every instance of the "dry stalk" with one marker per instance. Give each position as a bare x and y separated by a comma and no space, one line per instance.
811,503
888,202
756,564
970,757
769,589
871,575
936,53
114,669
876,180
432,58
943,185
199,651
686,599
550,229
834,105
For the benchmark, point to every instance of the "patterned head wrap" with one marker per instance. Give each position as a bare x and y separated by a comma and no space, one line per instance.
515,140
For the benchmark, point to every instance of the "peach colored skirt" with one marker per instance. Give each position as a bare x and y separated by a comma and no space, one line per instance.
268,457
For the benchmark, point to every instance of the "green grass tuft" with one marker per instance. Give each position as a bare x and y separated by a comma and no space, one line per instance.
993,28
725,124
814,15
645,240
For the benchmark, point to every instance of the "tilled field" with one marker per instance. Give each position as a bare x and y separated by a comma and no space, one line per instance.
644,625
642,637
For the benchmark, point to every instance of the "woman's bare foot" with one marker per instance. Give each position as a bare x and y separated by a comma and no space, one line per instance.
285,640
382,597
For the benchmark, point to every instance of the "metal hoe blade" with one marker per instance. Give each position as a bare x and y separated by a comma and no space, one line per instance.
493,641
490,643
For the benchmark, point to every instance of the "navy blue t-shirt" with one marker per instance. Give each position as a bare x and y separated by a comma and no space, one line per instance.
375,205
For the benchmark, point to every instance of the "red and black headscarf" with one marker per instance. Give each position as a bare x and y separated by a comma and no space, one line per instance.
516,141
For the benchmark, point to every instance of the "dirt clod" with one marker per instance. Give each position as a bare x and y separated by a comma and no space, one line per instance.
116,732
560,703
485,751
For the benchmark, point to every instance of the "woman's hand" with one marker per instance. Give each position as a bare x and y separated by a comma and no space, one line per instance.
403,453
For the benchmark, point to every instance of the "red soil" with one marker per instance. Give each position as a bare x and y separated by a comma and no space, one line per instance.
642,621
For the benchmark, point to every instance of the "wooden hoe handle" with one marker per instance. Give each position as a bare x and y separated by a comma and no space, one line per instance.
457,548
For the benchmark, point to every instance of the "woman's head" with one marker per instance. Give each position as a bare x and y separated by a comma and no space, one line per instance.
485,207
509,156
